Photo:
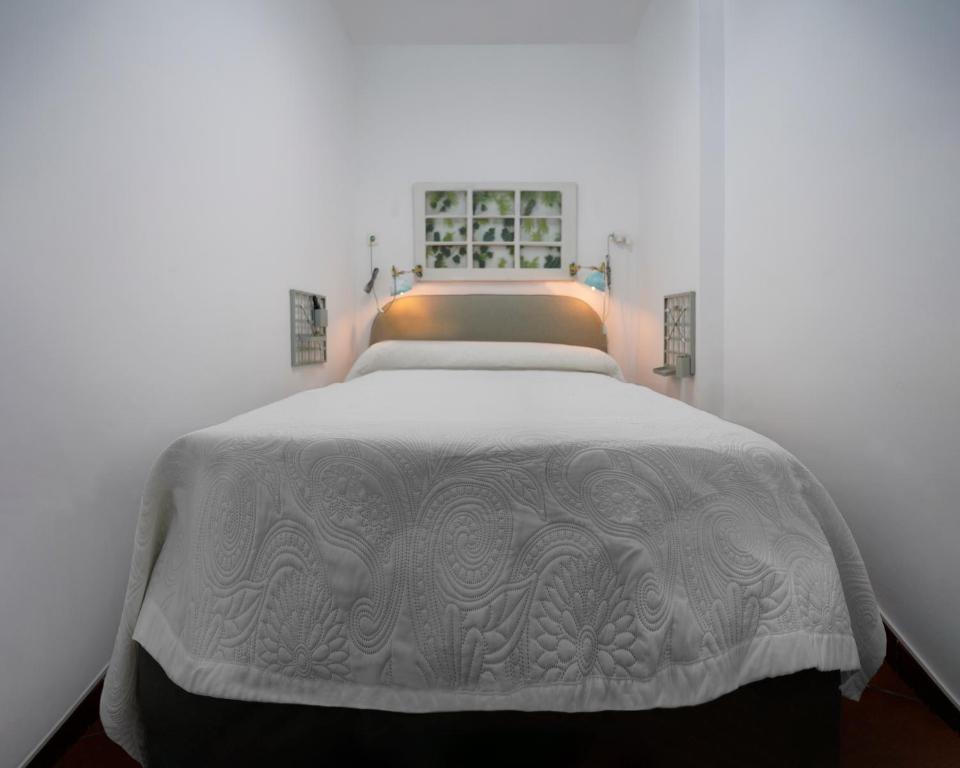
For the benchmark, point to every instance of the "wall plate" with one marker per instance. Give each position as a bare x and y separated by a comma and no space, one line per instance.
308,329
679,335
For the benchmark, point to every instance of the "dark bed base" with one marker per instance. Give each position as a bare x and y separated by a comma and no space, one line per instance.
785,721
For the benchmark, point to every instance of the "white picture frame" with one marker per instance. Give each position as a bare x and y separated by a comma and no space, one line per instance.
533,226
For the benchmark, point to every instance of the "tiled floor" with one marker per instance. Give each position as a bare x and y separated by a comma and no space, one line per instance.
95,750
888,727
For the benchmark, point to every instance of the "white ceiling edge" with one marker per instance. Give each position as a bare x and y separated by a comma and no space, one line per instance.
490,22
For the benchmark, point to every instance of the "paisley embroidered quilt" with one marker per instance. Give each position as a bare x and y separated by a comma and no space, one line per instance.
489,537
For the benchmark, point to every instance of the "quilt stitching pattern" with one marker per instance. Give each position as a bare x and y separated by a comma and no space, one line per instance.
466,568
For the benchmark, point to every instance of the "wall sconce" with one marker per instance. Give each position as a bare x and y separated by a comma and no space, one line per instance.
403,279
599,277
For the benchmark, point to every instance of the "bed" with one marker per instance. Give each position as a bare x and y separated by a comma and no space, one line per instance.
484,533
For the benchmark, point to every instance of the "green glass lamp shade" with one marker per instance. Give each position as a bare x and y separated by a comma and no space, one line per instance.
597,281
401,284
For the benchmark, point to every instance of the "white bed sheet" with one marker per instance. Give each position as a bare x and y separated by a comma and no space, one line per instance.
430,539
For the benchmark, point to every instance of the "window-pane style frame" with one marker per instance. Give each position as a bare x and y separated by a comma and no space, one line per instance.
472,248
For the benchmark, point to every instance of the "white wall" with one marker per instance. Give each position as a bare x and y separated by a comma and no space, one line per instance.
167,172
711,295
499,113
678,60
667,139
842,272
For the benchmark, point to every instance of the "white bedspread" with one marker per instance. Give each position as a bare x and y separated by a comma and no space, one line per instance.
429,539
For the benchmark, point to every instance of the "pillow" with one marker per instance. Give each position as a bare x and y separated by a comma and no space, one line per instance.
483,355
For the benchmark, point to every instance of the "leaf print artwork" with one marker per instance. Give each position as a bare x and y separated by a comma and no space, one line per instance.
493,230
446,230
535,256
446,256
494,202
450,202
540,230
541,203
483,228
493,256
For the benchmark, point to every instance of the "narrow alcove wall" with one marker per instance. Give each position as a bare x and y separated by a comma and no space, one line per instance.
168,171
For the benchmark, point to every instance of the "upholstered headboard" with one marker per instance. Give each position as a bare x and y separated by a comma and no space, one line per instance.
490,317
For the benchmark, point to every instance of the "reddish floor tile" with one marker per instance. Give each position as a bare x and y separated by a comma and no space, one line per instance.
96,751
889,727
888,680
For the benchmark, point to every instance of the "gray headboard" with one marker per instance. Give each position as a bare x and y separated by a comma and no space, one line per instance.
490,317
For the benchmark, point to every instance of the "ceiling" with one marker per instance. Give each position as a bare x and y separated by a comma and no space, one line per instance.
458,22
